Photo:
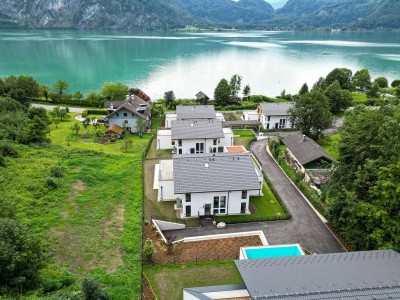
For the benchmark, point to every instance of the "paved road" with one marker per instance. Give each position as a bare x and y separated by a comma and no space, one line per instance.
51,107
305,227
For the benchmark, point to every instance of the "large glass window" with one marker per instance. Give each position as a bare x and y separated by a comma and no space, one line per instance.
199,147
244,194
219,205
188,197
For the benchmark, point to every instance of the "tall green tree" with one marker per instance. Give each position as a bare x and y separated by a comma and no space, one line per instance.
141,126
373,92
339,100
304,89
342,76
395,83
311,114
382,82
114,91
222,92
169,97
362,79
246,91
61,86
235,85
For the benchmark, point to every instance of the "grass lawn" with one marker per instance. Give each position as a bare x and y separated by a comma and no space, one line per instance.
168,281
264,208
359,98
330,145
243,137
157,154
92,221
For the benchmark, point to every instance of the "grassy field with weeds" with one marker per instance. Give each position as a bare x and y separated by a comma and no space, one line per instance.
163,277
243,137
89,216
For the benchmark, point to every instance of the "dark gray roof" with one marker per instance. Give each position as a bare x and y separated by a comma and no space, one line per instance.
200,291
200,95
242,122
276,108
353,275
185,112
305,149
199,173
133,103
183,130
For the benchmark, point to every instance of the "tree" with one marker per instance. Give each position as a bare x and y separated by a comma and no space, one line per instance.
235,85
339,100
373,91
398,91
222,92
246,91
169,97
92,290
78,95
395,83
76,128
304,89
382,82
38,129
45,91
311,114
40,112
86,123
362,79
138,92
114,91
21,256
320,84
21,88
61,86
127,146
141,126
342,76
59,114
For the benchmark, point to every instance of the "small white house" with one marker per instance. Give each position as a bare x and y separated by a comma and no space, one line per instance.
126,113
271,115
193,113
204,136
209,184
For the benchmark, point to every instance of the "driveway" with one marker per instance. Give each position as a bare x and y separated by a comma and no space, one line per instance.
51,107
305,227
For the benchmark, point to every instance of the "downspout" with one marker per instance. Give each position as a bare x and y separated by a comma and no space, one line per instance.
227,204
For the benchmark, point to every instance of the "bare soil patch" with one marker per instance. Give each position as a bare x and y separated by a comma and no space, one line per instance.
207,250
147,291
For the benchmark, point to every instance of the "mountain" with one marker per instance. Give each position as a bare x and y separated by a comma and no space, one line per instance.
92,14
228,12
171,14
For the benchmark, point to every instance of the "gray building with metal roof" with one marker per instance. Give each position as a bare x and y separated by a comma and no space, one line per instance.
188,112
364,275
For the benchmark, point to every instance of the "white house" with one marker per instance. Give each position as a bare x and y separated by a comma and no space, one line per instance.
126,113
271,115
192,113
209,184
193,136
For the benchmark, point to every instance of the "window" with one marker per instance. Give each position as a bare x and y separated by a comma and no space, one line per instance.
215,142
117,114
188,197
269,118
199,147
125,114
222,202
244,194
216,202
133,114
173,143
180,143
243,207
267,125
282,123
188,211
180,151
126,122
219,205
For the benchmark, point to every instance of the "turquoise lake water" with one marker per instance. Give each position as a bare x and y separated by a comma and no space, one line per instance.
189,62
269,252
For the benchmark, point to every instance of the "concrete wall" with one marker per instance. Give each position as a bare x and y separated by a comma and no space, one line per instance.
250,115
169,118
299,166
120,119
164,139
163,226
166,190
273,120
187,296
227,140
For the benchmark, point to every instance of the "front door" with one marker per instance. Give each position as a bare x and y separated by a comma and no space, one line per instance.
188,211
243,208
207,210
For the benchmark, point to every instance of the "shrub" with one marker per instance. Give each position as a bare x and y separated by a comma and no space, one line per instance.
146,222
8,149
22,256
148,249
92,290
2,162
54,278
51,183
57,171
274,147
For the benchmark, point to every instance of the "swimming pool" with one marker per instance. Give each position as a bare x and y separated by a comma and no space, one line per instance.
271,251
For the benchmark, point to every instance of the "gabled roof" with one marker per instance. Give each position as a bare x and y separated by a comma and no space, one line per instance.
305,149
276,108
115,129
183,130
199,173
185,112
133,104
352,275
200,95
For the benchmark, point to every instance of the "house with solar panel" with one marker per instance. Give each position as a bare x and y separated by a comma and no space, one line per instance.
195,130
125,114
209,184
352,275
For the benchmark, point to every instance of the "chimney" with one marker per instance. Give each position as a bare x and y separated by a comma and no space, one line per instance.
206,165
111,105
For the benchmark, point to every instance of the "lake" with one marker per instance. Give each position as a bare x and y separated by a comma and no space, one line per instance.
188,62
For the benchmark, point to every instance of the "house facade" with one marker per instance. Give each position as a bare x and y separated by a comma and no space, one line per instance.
194,137
209,184
126,114
271,115
193,113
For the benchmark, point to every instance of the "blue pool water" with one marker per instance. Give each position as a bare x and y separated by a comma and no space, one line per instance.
269,252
